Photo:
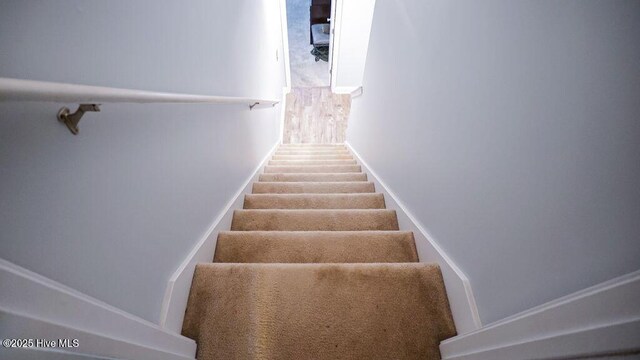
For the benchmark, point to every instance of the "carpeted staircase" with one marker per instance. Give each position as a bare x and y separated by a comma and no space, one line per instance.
315,267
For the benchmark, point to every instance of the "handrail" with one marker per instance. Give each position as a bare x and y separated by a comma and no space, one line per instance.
30,90
89,97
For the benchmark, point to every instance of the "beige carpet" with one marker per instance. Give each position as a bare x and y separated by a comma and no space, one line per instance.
315,267
312,169
315,247
314,201
329,177
312,187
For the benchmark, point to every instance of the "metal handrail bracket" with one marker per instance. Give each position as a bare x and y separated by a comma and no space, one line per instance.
72,119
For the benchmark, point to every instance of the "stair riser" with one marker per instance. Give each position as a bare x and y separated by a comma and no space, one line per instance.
314,220
318,177
313,169
314,201
313,188
315,247
312,157
312,146
312,152
310,162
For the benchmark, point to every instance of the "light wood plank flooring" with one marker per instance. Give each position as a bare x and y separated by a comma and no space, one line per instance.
315,115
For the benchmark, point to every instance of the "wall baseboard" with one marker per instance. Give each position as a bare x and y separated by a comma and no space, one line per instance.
344,89
461,299
176,295
602,320
36,307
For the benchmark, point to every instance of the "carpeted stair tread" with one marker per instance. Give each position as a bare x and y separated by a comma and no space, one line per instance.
308,187
312,162
314,220
314,201
306,146
314,177
311,152
315,267
315,247
323,148
312,157
312,169
312,144
314,148
318,311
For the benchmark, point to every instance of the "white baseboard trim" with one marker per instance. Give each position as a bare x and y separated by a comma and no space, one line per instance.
36,307
283,111
602,320
461,299
344,89
177,293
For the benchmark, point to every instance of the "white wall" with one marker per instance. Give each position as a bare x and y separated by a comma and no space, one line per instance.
113,211
350,42
510,130
204,47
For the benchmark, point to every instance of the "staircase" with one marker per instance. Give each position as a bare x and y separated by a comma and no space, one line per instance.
315,267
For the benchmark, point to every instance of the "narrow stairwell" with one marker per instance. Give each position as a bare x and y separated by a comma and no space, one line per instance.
315,267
